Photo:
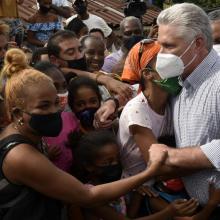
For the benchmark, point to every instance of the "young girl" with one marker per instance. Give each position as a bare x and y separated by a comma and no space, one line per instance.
42,25
98,161
59,153
84,99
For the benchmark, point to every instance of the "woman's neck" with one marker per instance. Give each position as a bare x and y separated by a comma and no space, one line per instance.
15,129
156,104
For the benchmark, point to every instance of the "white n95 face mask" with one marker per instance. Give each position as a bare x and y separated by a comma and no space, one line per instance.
217,48
170,65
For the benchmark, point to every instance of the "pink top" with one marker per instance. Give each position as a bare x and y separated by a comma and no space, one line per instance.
70,123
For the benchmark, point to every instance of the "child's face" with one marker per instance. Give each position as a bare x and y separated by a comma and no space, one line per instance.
107,167
85,98
108,155
95,54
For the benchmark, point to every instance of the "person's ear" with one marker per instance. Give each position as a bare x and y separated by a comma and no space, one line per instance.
56,61
17,115
200,41
147,75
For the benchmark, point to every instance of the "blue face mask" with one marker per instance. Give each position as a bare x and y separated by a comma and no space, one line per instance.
86,117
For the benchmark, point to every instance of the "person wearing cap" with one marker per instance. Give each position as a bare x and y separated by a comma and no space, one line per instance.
91,20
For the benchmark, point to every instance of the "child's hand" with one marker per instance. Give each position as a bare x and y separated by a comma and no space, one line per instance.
214,194
182,207
145,190
54,152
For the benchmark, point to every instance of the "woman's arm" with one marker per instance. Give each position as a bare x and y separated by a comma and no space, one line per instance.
114,86
25,165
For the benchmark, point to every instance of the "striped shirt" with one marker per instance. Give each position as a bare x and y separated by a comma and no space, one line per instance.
196,116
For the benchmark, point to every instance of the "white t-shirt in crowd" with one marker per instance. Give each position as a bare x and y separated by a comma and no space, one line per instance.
137,112
94,22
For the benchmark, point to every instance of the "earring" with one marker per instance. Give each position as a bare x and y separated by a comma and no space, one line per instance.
20,122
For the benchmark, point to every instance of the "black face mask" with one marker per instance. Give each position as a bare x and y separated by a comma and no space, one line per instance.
44,9
131,41
110,173
79,64
49,125
86,117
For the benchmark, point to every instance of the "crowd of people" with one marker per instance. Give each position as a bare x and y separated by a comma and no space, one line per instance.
95,130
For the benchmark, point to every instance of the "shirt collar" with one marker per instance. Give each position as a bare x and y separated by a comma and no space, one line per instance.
200,73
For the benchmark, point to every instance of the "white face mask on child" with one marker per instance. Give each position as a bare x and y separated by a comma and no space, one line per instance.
169,65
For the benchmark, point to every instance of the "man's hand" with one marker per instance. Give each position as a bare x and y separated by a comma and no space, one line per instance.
122,89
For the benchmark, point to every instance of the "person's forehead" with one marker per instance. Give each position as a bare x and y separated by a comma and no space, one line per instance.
108,151
95,44
69,43
168,33
131,25
85,93
42,92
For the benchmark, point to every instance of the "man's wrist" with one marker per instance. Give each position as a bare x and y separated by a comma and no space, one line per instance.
116,102
172,157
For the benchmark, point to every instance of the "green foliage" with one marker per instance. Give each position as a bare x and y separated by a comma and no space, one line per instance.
206,3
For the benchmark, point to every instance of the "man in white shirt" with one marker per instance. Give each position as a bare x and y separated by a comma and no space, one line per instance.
91,20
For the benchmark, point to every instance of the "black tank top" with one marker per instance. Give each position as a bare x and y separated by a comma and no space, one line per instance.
21,202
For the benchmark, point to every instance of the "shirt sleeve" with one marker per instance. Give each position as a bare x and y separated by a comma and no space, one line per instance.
109,64
137,115
212,152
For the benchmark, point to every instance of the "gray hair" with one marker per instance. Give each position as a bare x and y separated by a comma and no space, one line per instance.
190,20
214,15
130,19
